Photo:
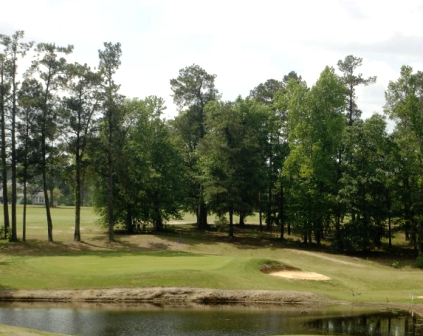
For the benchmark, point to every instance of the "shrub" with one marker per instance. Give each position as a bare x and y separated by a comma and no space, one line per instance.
395,264
419,261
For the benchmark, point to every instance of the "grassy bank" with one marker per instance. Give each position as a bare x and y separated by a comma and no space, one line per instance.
15,331
187,258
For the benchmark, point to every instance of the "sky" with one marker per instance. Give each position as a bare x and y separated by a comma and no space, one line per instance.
243,42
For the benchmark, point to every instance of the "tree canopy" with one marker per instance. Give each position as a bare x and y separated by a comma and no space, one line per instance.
300,156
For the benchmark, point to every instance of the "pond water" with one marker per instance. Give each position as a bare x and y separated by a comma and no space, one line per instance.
146,320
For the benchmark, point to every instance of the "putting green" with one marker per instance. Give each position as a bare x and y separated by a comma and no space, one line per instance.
116,264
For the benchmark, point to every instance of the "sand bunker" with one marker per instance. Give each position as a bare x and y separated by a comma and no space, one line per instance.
290,272
300,275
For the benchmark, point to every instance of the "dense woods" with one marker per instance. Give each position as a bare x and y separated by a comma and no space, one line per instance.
299,155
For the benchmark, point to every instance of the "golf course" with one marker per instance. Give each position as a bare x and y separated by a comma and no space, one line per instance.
184,265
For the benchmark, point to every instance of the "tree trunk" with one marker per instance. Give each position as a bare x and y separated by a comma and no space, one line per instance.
5,197
129,224
260,214
282,213
269,210
110,163
77,233
13,236
202,212
317,231
24,207
25,178
420,223
4,155
241,219
157,217
47,206
231,222
45,189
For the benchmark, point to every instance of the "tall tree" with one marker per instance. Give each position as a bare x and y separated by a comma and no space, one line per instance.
30,96
348,67
154,181
265,93
270,93
15,49
149,182
192,90
232,156
364,184
404,104
52,72
79,110
4,97
109,64
406,179
315,121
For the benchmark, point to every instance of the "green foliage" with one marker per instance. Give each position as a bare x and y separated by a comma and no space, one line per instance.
404,104
351,81
364,188
285,151
315,122
193,87
419,261
231,156
149,180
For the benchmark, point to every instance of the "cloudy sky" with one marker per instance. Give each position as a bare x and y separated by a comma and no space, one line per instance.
243,42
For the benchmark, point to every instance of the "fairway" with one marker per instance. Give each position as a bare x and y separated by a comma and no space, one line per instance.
132,264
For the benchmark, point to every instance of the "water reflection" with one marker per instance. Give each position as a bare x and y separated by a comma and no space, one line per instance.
393,323
146,320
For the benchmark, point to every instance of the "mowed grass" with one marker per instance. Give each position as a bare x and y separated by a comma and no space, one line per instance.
117,269
190,259
63,222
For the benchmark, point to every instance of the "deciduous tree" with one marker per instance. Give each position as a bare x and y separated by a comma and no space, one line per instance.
192,90
315,122
404,104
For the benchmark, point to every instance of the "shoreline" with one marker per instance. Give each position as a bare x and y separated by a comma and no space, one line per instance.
196,298
164,295
184,296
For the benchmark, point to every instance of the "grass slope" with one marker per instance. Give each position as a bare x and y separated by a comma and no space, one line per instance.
190,259
15,331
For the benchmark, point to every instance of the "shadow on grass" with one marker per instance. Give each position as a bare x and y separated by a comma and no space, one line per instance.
249,237
183,236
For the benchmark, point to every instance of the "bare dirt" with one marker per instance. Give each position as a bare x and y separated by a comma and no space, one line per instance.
164,295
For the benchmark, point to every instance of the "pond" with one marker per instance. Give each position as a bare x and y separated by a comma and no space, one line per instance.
146,320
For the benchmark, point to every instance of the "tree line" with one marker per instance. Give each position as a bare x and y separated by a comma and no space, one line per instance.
300,156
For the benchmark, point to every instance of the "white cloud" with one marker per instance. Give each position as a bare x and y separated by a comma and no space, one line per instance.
243,43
